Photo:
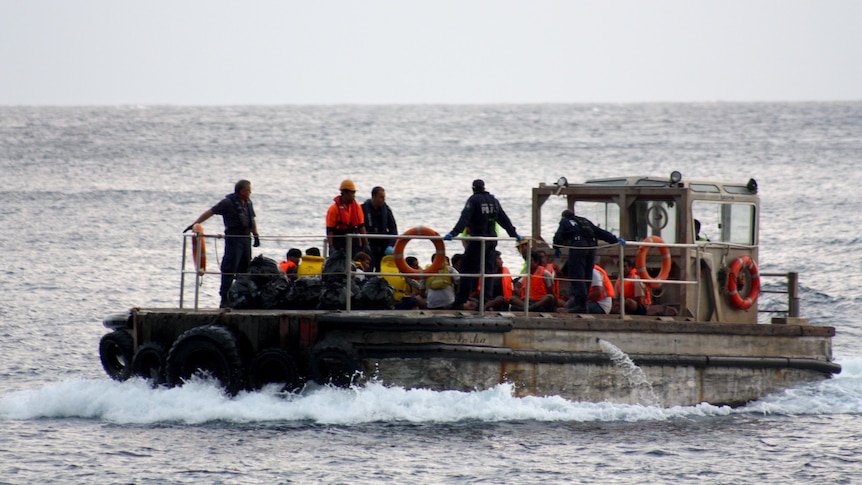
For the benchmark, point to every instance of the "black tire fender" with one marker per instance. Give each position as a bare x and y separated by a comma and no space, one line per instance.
335,361
209,350
150,362
115,351
274,366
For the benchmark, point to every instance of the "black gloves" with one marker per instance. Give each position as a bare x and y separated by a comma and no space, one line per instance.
188,228
256,241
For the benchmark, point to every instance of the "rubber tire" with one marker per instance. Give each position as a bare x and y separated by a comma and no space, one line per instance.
211,349
274,366
115,351
335,361
150,362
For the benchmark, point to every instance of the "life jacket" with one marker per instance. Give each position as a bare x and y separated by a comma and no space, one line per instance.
286,265
440,280
552,268
537,285
505,282
630,289
345,217
607,286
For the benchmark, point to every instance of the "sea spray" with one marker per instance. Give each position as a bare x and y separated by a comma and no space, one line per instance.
633,373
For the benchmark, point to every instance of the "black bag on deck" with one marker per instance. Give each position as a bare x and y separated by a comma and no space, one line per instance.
334,268
304,294
375,293
244,293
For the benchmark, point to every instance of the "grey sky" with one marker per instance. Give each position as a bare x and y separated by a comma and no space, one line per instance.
97,52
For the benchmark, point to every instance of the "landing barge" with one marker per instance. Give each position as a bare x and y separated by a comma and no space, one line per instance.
700,341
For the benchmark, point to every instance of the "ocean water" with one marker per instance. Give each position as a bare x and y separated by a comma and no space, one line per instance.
95,199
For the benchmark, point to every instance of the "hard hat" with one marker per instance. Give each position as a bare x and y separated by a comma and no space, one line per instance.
348,185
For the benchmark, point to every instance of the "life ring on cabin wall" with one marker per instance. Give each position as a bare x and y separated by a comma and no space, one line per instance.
733,282
640,261
439,255
199,249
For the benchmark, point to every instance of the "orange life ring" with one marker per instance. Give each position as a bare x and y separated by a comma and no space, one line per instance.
640,262
439,255
199,249
732,281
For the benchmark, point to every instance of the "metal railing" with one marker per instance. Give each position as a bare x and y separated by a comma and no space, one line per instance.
483,276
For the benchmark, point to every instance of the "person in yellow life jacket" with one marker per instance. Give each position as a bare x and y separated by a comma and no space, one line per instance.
502,290
290,265
637,297
601,295
440,287
414,300
541,289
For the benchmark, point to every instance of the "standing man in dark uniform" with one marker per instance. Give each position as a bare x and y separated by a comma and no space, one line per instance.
239,225
579,232
379,220
481,215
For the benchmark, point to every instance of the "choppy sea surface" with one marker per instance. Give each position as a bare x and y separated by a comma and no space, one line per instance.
95,199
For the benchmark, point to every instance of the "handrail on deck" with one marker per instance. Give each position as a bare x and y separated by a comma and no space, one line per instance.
350,271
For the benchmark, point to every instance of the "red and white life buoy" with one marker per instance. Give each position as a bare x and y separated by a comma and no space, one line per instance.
640,261
439,255
733,282
199,249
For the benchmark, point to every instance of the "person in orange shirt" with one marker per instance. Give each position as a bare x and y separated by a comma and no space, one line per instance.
345,216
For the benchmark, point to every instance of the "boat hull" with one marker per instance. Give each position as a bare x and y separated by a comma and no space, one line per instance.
660,361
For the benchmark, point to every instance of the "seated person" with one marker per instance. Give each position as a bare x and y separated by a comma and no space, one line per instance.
440,288
546,262
291,263
362,262
635,294
502,288
414,300
600,297
541,289
312,251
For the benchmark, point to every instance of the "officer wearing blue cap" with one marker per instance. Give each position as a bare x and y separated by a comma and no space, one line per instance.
481,214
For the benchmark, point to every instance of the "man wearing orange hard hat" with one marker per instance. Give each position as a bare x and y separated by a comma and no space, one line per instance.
345,216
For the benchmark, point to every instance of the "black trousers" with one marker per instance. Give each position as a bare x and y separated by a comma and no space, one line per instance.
237,255
471,262
580,267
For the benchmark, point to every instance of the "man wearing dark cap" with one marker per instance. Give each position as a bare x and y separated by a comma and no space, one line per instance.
481,214
576,234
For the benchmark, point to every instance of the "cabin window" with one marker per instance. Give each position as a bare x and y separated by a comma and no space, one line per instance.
655,218
603,214
725,223
711,188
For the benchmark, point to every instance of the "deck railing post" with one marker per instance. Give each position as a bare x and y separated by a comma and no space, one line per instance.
348,273
183,272
793,294
621,297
